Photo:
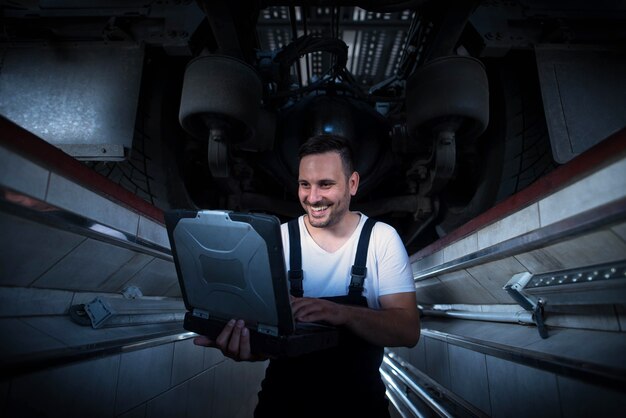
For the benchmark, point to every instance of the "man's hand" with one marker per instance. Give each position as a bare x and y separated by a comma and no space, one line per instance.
395,324
317,310
233,342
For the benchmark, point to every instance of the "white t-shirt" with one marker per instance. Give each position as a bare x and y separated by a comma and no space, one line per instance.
328,274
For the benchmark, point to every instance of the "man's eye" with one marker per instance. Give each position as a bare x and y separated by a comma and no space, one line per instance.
325,185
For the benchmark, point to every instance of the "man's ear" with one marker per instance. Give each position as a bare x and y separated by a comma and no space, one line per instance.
353,183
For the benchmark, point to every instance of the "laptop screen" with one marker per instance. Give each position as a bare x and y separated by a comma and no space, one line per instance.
231,265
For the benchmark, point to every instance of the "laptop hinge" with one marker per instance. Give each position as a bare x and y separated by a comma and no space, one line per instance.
200,313
267,329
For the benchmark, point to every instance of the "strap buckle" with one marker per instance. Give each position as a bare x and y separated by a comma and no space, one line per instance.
295,282
358,274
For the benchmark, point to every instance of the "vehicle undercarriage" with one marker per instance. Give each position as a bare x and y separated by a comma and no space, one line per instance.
442,101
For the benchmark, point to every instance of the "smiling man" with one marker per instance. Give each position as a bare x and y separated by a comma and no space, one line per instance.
365,290
327,181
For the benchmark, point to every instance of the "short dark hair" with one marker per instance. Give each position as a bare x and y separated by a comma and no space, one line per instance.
321,144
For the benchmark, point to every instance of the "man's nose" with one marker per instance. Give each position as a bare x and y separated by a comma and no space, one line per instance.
314,195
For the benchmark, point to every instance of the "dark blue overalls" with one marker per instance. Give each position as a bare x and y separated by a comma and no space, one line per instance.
339,382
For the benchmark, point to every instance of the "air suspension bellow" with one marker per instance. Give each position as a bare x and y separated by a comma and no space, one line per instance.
448,94
220,92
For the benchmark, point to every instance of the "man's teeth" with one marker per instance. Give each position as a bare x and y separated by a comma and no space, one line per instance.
319,208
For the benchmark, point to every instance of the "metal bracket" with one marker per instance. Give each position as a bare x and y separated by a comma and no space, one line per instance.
515,288
132,292
538,317
99,311
218,153
267,329
445,161
200,313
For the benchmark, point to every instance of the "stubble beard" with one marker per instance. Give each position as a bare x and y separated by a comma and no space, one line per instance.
335,214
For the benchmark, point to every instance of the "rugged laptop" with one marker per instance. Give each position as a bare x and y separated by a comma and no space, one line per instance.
231,265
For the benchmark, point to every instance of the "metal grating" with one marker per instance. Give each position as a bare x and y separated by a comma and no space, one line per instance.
375,40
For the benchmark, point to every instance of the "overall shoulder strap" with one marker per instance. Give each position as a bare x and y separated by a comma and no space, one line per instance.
295,259
359,269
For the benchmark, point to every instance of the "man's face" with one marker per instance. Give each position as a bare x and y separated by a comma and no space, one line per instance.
324,190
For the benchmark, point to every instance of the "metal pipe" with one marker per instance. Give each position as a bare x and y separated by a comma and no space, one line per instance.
294,36
395,389
406,379
519,317
398,404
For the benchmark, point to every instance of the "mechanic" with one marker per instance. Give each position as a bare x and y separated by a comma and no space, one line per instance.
379,312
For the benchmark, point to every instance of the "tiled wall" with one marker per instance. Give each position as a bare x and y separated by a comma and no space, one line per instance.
606,185
506,389
176,379
70,261
482,283
75,261
24,176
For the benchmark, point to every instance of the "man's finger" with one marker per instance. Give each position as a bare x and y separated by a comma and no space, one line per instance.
203,341
245,352
299,304
233,344
224,337
306,307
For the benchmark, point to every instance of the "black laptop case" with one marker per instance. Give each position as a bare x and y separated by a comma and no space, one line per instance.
230,265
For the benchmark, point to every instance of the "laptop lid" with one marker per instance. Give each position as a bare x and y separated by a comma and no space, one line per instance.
231,265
